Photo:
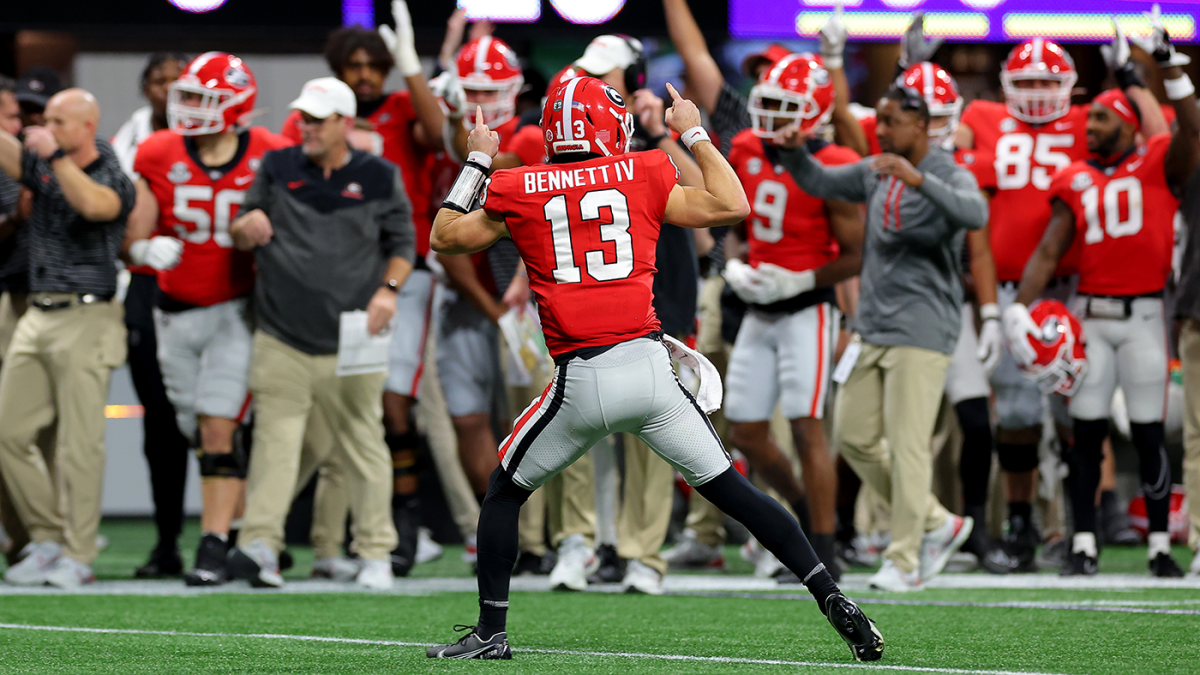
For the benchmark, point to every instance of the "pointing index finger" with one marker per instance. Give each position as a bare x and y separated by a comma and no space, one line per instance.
479,117
674,94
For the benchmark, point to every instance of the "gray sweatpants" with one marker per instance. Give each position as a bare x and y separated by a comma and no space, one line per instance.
630,388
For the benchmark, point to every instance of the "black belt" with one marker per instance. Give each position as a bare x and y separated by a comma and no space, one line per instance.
587,353
1113,306
49,304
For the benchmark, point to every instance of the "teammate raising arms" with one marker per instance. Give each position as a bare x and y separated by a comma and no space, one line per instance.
586,227
193,177
1120,206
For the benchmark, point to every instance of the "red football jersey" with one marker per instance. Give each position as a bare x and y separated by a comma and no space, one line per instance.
392,138
196,204
526,143
981,165
587,232
1025,158
868,124
787,226
1124,220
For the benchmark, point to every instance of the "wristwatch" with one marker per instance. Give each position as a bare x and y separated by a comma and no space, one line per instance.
58,154
392,285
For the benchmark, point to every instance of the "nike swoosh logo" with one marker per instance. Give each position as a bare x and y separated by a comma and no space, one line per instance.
1134,165
1063,125
292,185
243,180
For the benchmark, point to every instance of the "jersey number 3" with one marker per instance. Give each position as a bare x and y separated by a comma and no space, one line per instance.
565,270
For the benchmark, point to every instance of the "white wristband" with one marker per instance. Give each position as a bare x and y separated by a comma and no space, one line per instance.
989,311
693,136
481,158
1179,88
832,61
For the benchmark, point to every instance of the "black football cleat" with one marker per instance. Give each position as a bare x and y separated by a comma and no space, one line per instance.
210,563
161,564
866,643
531,564
1163,565
1079,564
472,646
1021,544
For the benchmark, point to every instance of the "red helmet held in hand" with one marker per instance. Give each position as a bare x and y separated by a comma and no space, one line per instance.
585,115
1038,78
1061,361
491,78
797,87
216,92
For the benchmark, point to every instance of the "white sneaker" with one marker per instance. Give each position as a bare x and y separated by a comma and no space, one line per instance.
767,566
427,549
641,578
376,575
576,560
256,563
691,554
340,568
890,578
69,574
101,542
1194,570
937,546
37,559
471,551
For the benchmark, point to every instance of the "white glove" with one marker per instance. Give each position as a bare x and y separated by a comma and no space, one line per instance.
402,41
161,253
991,345
749,284
1159,43
913,46
833,38
1019,327
1116,54
784,282
450,94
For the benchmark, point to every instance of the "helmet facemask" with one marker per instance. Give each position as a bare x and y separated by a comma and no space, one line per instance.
495,112
1042,104
205,117
773,108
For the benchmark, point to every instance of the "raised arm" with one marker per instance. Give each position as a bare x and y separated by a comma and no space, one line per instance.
455,230
649,109
959,198
402,44
704,76
847,131
721,201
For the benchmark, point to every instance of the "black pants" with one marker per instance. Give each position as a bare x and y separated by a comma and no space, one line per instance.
165,447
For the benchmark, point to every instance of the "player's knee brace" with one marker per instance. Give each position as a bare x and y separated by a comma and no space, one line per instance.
232,464
405,449
1017,458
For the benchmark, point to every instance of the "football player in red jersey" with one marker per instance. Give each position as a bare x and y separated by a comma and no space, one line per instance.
586,227
1118,208
1033,134
798,248
193,176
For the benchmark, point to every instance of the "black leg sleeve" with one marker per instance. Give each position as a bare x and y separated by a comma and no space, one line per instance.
1155,471
497,537
975,466
772,526
1083,461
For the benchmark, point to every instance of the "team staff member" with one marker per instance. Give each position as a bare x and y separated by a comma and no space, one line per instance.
332,232
66,345
908,321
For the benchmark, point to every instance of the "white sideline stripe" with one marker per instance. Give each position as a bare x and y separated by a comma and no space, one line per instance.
527,650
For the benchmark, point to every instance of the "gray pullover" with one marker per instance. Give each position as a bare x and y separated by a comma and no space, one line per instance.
912,264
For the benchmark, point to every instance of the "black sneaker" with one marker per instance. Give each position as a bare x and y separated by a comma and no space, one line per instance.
1021,544
866,643
1079,564
991,558
210,563
406,516
531,564
161,564
612,568
472,646
1163,565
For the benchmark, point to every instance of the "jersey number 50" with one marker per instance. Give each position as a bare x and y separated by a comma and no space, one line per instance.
565,270
205,227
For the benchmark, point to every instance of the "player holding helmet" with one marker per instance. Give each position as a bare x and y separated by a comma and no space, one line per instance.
799,247
1118,207
592,277
193,177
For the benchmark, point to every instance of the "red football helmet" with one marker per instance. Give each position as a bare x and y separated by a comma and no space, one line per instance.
940,92
1061,360
585,115
1038,61
797,87
491,79
215,92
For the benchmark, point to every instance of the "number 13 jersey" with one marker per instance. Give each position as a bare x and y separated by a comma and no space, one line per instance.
587,232
196,204
1026,158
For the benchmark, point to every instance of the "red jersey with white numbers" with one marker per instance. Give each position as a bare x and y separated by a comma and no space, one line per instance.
1124,219
787,226
1025,157
981,165
196,204
587,232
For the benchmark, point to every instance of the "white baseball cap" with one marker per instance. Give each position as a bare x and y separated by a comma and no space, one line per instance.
605,54
325,96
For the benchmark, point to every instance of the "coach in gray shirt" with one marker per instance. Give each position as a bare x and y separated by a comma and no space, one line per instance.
919,206
332,233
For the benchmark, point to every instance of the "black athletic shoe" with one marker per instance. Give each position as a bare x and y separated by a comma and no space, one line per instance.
286,561
161,564
866,643
852,557
406,516
1079,564
530,564
472,646
1021,544
991,558
612,568
1163,565
210,563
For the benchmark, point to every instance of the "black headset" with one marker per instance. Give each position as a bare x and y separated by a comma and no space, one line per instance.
635,73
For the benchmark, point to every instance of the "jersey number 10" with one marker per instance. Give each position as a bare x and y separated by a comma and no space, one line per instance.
206,226
565,270
1113,225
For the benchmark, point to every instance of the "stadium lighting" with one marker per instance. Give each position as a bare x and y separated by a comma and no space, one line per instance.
197,6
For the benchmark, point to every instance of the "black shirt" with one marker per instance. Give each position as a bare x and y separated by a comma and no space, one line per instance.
68,254
14,249
676,283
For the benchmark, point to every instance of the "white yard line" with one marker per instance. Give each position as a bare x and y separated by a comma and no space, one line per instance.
525,650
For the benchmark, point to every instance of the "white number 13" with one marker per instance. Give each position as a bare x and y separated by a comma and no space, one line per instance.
566,271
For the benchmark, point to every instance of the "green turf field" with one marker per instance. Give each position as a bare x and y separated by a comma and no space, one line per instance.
132,627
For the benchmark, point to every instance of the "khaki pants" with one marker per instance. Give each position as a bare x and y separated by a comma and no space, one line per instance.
58,366
331,503
1189,354
706,520
287,384
893,394
646,505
